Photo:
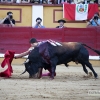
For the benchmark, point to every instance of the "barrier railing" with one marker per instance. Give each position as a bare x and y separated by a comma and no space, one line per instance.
17,38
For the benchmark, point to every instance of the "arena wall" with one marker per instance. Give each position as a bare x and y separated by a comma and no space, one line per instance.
17,38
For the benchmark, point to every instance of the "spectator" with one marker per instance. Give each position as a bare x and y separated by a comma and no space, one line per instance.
62,1
35,1
8,19
44,1
72,2
99,19
95,21
61,23
96,1
88,1
38,23
7,1
25,1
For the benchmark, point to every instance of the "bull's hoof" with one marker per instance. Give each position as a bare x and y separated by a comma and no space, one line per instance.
90,74
96,76
39,74
30,76
51,77
33,76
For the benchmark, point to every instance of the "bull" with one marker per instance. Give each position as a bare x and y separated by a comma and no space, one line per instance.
50,56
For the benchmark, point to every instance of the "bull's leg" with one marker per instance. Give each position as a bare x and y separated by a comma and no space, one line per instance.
53,62
83,57
53,70
27,66
40,72
91,68
84,68
49,74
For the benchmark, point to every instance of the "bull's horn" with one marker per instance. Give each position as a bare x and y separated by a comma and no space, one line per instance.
23,72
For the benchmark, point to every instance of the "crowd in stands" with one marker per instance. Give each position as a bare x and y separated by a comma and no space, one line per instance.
9,21
50,1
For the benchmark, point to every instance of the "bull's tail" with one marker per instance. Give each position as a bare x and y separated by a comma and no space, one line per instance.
96,51
23,72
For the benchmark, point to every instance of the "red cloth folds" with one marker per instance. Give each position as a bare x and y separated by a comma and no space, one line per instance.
69,11
93,8
9,55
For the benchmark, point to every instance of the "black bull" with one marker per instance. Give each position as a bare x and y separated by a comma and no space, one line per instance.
50,56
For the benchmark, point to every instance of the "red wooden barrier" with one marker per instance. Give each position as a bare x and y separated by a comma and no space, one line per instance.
17,38
98,38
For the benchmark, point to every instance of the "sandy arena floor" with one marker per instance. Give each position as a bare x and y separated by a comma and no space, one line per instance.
69,84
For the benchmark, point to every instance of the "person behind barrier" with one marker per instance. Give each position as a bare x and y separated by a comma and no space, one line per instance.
25,1
95,21
38,23
61,23
7,1
39,1
8,19
33,43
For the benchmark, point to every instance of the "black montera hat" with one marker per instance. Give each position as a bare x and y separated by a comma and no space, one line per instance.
33,40
61,20
38,19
